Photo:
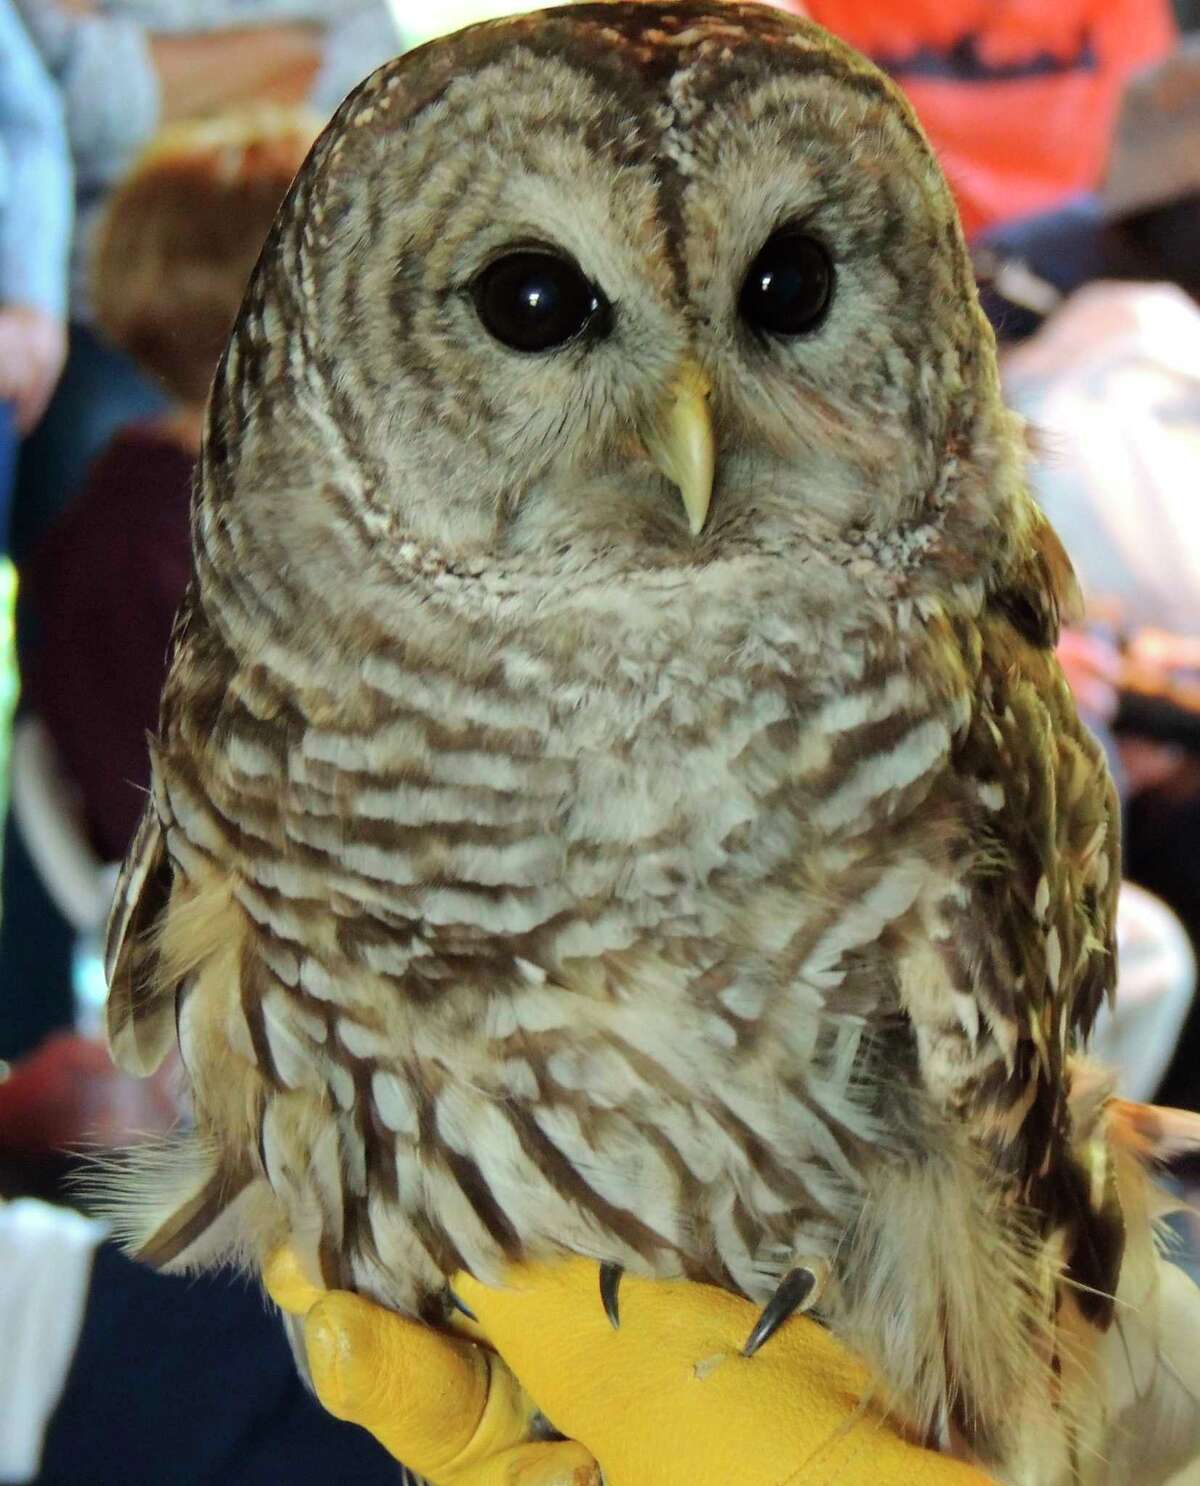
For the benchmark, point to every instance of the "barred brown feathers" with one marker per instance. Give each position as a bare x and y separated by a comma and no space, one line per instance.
539,862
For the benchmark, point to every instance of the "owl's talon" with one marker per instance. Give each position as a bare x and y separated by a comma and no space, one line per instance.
610,1284
795,1292
461,1305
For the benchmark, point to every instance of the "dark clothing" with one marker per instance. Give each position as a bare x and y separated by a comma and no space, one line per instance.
100,392
1075,245
1162,849
190,1382
106,584
8,464
37,993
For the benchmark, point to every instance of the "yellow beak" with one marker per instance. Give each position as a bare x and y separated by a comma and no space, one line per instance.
680,442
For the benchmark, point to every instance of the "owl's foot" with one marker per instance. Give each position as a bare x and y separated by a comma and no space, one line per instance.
610,1284
799,1290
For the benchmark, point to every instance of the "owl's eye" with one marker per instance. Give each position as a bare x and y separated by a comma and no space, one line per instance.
790,285
533,301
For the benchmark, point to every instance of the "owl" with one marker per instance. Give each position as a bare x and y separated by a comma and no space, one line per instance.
615,794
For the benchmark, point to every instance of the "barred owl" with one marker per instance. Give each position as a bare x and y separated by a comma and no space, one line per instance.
615,793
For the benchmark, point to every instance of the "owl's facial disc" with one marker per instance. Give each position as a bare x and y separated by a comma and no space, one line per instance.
559,269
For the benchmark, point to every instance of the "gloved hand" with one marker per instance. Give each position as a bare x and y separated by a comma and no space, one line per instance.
666,1400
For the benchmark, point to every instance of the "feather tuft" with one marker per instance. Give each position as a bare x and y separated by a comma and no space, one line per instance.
174,1203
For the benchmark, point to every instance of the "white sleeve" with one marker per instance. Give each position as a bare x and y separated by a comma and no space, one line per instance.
45,1270
105,72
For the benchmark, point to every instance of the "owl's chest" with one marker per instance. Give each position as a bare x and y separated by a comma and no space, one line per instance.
571,810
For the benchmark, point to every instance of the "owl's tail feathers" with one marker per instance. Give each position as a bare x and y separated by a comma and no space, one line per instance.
175,1203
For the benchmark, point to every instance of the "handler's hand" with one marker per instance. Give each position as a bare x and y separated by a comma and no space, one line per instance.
667,1400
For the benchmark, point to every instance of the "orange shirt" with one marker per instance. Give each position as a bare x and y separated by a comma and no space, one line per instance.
1018,96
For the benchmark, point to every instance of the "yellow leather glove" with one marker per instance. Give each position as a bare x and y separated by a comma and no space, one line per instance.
666,1400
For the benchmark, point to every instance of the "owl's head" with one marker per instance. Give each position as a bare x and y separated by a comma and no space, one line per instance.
643,281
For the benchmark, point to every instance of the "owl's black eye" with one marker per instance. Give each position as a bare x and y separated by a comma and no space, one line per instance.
790,285
533,300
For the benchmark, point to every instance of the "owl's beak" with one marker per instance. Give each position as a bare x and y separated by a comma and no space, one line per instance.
680,441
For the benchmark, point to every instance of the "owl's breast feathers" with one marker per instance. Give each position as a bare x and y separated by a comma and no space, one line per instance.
465,958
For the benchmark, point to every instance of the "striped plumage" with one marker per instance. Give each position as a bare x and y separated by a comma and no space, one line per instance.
524,873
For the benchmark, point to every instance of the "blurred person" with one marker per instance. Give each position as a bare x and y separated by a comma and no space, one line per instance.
113,1375
1111,387
1142,223
35,226
1018,97
125,67
1136,1036
173,255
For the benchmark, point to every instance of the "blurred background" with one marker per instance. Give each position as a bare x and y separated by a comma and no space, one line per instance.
145,146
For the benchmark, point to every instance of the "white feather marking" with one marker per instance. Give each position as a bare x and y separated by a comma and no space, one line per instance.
340,1083
283,963
719,1032
1053,958
291,1050
500,913
991,795
394,1102
584,939
364,1042
392,959
244,756
854,709
410,805
436,694
400,1250
530,972
519,1079
862,923
744,998
541,1010
354,1158
316,980
872,779
323,1188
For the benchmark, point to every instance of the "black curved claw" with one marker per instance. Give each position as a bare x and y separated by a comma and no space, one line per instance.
794,1289
461,1305
610,1284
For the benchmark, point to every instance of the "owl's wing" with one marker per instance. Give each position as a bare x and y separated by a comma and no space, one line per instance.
1023,939
173,1203
141,1024
1011,952
1039,924
1031,937
141,1005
